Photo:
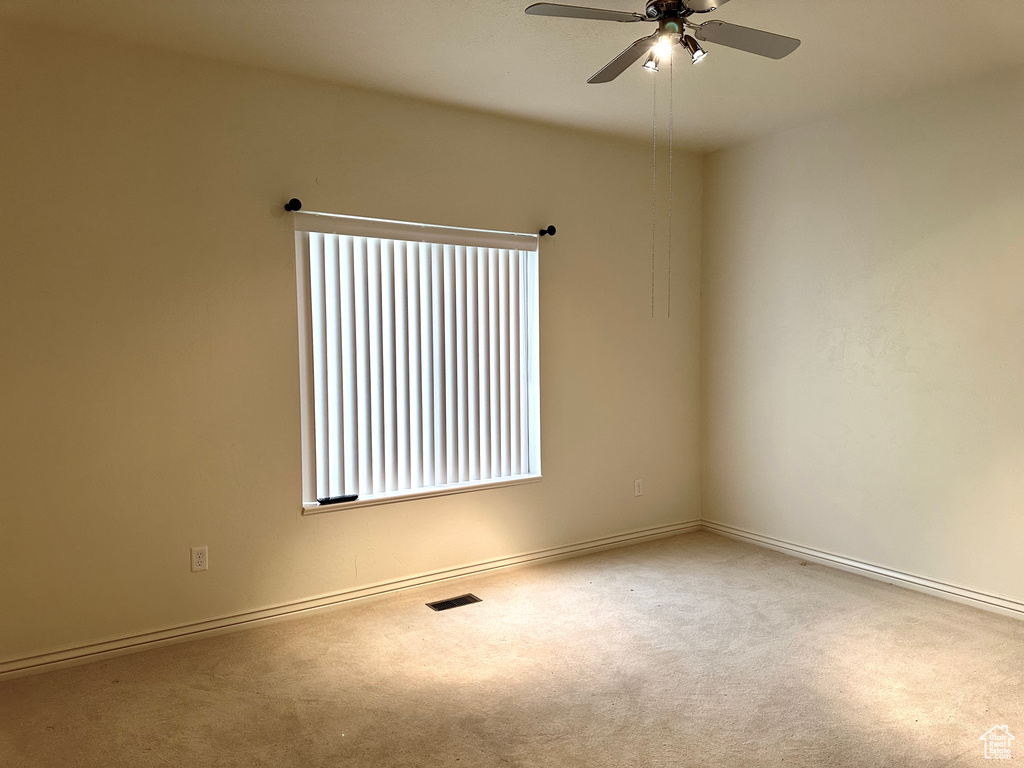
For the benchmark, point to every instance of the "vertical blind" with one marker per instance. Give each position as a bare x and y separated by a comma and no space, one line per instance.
419,357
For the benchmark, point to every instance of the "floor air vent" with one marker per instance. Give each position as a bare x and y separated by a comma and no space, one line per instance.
454,602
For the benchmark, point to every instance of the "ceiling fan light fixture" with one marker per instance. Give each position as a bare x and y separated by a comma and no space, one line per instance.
651,65
693,47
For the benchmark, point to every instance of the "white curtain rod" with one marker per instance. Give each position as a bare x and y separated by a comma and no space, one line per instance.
319,221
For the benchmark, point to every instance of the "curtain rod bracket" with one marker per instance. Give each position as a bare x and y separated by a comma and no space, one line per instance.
549,231
293,205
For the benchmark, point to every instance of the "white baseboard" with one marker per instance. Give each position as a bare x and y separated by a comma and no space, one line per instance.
995,603
130,644
67,657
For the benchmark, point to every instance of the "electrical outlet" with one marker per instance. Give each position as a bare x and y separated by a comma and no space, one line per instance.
200,559
638,487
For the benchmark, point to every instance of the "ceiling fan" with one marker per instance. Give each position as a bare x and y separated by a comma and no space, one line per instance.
673,19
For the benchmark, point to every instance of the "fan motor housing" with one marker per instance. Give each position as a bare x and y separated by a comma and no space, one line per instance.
666,9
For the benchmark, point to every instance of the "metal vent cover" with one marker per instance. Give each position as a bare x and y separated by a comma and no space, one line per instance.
454,602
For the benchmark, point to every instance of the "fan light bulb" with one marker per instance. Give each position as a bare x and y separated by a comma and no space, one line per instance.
696,52
663,48
651,65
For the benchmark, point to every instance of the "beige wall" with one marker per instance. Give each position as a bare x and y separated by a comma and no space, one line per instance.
863,387
149,393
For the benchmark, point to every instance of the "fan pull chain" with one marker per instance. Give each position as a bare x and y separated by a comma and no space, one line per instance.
654,184
671,121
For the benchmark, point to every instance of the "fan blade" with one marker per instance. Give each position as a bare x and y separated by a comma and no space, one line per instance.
746,39
620,63
579,12
703,6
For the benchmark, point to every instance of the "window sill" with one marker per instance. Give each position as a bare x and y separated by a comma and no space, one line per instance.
312,508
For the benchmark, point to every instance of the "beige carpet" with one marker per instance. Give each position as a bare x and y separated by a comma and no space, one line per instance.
690,651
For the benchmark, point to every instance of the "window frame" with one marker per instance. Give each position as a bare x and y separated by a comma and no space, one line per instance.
410,232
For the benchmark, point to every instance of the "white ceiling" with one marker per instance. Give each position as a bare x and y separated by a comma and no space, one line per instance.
488,55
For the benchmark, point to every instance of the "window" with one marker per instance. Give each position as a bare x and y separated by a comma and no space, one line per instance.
419,358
